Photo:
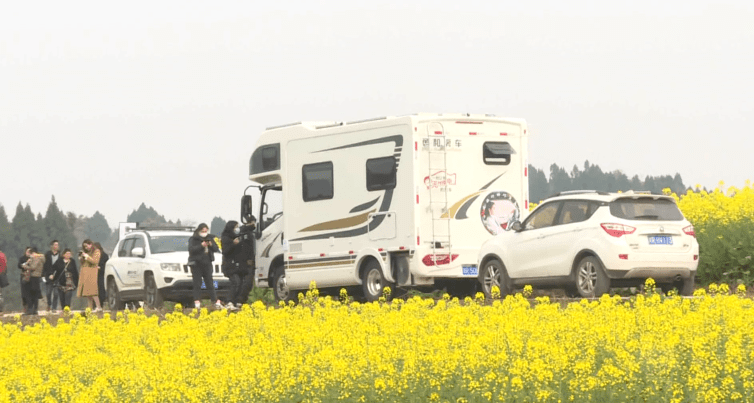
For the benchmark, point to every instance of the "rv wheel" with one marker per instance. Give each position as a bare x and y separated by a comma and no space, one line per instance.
372,281
280,287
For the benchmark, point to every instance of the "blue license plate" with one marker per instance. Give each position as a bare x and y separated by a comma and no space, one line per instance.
204,286
470,270
660,240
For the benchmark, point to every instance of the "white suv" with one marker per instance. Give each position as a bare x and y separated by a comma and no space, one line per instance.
150,265
587,242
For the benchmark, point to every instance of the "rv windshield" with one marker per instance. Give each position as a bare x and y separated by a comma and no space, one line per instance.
273,198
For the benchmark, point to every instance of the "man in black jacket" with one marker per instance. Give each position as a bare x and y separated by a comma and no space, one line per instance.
51,257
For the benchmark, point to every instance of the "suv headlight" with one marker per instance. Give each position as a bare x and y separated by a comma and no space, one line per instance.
170,266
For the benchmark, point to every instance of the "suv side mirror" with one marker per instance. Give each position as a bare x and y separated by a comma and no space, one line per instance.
246,213
138,252
516,226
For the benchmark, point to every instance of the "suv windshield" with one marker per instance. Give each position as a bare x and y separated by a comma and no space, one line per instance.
167,244
645,208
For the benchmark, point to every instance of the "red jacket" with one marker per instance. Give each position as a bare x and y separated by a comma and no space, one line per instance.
3,262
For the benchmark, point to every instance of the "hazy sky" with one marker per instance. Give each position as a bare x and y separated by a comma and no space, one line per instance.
108,106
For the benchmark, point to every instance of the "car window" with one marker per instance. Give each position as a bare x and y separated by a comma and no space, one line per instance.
574,211
543,217
168,243
645,208
138,243
125,247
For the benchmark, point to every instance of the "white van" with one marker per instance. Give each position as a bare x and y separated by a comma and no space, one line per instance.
399,201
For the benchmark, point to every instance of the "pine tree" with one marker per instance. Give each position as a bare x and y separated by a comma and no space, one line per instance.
22,225
6,233
57,227
97,229
217,226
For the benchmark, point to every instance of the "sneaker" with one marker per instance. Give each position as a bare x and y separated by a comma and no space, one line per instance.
218,305
97,310
231,306
198,305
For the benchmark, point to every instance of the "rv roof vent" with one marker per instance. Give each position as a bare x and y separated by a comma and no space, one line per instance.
281,126
326,125
366,120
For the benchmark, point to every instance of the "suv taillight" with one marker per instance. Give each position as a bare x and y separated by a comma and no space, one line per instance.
618,230
689,231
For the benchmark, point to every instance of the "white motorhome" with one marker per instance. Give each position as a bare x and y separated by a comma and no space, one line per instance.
399,201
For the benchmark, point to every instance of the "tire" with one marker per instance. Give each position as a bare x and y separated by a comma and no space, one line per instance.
493,273
113,296
687,287
280,289
591,280
152,295
372,281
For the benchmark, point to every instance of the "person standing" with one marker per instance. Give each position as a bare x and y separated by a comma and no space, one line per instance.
234,266
247,246
33,268
51,256
202,250
65,277
87,286
101,273
3,276
21,261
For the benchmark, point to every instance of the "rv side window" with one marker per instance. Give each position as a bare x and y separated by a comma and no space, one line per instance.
264,159
317,181
381,173
497,153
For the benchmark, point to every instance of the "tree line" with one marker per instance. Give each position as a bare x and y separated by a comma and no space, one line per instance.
592,177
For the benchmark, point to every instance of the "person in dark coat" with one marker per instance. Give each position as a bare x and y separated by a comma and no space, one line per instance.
21,261
65,277
101,273
247,246
234,263
51,256
202,250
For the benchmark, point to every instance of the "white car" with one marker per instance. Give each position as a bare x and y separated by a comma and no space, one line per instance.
150,265
587,242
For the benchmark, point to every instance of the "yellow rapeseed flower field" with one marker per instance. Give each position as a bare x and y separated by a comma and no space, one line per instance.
650,348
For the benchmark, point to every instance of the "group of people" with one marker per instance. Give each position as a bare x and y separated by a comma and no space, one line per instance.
60,275
237,262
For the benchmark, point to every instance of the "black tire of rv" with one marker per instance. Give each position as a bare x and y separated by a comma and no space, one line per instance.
280,289
372,281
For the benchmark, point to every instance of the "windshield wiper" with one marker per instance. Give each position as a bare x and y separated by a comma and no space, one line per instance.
647,216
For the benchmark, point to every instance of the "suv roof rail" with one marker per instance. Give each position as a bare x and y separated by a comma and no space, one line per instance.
167,228
578,192
638,192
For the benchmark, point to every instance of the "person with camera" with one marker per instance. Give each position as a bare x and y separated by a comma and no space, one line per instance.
87,287
30,280
65,277
235,241
247,251
202,250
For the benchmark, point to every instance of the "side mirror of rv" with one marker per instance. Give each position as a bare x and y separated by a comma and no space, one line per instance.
516,226
246,214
